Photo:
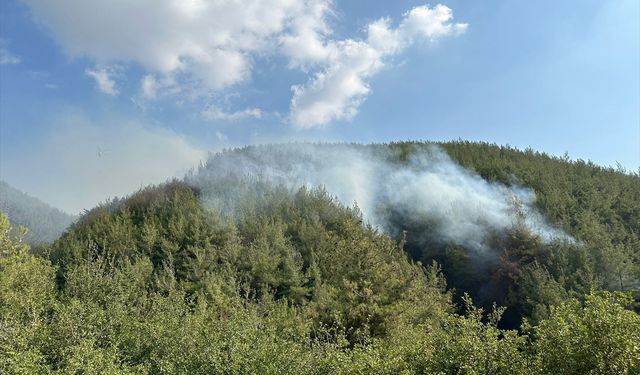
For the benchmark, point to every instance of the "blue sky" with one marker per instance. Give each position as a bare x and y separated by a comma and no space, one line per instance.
98,98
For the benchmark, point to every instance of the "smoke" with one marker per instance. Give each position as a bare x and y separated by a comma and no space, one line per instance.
426,186
81,162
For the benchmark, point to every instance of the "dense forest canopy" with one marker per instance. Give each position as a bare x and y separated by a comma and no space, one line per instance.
506,226
260,262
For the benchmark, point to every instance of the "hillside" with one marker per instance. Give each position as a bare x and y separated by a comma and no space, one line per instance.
336,258
517,228
44,222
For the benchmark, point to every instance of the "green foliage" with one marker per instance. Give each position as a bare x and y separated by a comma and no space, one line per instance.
599,207
27,295
599,337
302,248
175,280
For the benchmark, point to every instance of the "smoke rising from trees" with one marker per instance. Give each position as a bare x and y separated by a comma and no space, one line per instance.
427,186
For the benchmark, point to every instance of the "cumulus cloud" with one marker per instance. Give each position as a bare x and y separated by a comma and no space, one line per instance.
209,41
338,89
304,41
194,47
104,77
335,93
83,162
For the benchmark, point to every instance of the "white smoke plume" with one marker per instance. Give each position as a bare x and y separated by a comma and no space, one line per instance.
429,185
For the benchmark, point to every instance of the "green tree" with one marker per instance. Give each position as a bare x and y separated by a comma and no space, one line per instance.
597,337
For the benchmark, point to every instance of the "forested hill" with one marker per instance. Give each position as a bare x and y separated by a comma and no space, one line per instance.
338,258
598,206
519,228
569,191
45,223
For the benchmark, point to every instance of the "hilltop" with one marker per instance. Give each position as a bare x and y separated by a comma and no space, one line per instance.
338,258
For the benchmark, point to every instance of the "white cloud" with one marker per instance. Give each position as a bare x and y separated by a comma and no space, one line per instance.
154,87
149,86
192,48
216,113
303,42
104,79
6,56
83,162
221,136
338,89
212,42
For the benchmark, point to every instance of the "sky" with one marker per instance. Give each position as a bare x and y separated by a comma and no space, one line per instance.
99,97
